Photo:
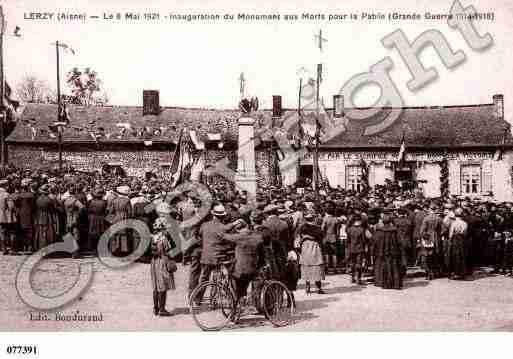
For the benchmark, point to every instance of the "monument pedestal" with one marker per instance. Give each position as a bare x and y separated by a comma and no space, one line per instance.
246,163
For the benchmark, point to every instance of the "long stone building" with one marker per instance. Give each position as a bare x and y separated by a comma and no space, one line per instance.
465,150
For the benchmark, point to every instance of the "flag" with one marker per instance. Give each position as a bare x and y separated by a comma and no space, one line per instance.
64,115
200,145
182,160
498,152
402,150
198,167
9,102
67,48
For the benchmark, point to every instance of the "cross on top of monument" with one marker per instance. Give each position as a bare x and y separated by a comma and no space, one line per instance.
320,40
242,81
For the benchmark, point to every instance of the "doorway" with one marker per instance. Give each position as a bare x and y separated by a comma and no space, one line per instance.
305,175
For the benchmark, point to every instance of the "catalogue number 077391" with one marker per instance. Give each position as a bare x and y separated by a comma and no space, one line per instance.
21,349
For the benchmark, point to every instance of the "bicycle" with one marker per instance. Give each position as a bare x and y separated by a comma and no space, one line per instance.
213,304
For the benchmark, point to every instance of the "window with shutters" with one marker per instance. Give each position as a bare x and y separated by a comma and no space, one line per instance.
354,178
471,179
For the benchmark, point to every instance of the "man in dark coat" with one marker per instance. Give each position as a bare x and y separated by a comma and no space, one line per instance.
404,231
431,244
357,241
475,225
249,255
26,209
96,211
213,251
279,228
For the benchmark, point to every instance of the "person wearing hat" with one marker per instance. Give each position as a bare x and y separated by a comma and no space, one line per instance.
26,209
357,241
432,250
214,249
330,227
279,228
43,219
457,238
120,209
249,252
96,213
311,259
162,266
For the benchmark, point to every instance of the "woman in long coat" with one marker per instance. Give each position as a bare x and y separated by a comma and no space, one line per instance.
390,252
162,267
311,260
44,219
96,212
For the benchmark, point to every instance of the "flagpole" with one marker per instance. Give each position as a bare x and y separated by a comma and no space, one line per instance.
300,127
317,130
2,88
59,128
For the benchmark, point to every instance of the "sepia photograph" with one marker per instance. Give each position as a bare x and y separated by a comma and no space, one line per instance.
287,167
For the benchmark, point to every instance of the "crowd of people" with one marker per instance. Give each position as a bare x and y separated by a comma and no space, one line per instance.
294,232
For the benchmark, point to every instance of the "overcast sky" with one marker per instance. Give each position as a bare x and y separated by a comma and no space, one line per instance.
198,63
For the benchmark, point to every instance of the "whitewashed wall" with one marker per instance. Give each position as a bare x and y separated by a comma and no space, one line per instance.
430,172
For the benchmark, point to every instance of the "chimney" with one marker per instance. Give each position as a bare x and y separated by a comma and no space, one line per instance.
498,104
151,105
338,106
276,106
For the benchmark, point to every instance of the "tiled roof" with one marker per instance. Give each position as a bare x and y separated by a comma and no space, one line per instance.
111,120
431,126
421,126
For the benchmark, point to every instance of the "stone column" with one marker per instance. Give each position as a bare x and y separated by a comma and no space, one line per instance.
246,163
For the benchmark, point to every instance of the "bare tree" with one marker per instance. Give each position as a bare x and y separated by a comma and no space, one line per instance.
33,90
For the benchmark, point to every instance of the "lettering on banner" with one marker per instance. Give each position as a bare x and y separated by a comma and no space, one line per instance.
393,156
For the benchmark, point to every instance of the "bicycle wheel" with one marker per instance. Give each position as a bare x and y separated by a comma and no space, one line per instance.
278,303
211,306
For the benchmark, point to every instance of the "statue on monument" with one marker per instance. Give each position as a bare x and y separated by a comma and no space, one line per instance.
246,105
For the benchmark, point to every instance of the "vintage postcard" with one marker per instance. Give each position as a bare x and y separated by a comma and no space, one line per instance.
341,166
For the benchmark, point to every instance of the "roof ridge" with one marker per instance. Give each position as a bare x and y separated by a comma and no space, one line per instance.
270,109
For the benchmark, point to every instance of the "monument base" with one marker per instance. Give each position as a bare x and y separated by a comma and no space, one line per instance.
247,183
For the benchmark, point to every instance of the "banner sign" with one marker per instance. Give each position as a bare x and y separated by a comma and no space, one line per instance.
394,156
